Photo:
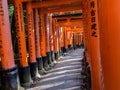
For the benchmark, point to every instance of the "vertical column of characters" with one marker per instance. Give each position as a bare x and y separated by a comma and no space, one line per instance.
95,45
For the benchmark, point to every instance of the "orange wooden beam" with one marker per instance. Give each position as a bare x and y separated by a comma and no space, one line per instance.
75,23
62,8
54,3
12,1
69,21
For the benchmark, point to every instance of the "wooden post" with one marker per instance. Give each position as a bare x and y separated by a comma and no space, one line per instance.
31,42
55,35
47,24
24,71
52,39
63,40
43,40
94,47
37,43
109,24
9,74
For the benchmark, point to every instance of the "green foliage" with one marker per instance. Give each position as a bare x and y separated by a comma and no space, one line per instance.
10,9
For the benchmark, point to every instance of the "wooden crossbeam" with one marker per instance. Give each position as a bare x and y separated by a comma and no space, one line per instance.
62,8
75,23
53,3
12,1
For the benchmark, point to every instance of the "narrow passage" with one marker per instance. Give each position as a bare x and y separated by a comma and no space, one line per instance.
66,75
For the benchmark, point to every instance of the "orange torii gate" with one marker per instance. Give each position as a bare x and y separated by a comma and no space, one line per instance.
65,22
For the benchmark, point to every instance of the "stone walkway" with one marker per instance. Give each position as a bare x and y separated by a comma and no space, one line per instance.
66,75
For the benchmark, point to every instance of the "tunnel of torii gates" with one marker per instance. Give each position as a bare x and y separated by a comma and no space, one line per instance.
48,36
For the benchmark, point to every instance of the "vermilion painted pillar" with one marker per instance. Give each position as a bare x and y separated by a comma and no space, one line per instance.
63,40
9,74
55,35
24,70
56,42
95,46
109,23
31,42
60,40
71,41
85,32
68,38
77,40
74,40
43,40
93,27
37,43
52,39
87,44
81,38
47,24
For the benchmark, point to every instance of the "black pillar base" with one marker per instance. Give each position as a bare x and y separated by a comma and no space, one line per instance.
40,66
49,58
63,49
34,71
69,47
25,77
9,79
77,46
45,63
56,56
53,57
60,53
